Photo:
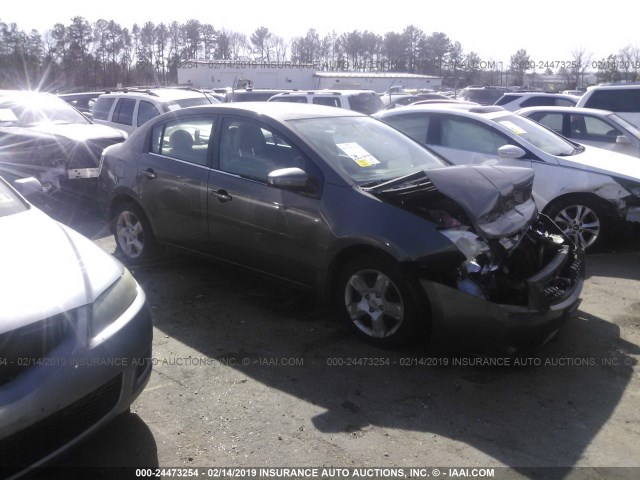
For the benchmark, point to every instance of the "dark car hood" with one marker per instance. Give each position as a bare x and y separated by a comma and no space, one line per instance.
47,269
497,200
78,132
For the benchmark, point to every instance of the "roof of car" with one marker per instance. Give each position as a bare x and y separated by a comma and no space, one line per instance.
157,93
281,111
463,107
590,111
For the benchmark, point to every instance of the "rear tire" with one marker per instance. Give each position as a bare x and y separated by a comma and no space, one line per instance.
380,302
134,238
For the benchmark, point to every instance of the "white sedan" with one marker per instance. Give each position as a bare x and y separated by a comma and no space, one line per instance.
586,190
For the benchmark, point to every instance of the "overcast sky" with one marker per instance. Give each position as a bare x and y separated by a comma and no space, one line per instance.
495,29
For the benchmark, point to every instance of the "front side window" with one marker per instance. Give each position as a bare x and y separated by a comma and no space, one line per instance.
253,150
184,139
588,127
146,111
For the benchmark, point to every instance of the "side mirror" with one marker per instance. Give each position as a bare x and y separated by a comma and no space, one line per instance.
28,186
622,140
511,151
289,179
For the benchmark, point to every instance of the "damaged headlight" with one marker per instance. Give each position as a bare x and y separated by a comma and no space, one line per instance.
467,242
113,302
478,254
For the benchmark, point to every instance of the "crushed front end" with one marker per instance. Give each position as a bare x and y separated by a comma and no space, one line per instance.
513,276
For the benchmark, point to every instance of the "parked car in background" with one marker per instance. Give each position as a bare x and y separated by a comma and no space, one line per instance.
75,335
481,95
576,93
44,137
130,108
589,126
394,101
516,100
423,247
622,99
82,101
252,95
363,101
587,191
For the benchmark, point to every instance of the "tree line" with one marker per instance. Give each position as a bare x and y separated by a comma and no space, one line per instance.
87,55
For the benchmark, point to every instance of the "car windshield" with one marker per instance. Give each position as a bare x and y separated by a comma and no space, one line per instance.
624,124
367,150
537,135
36,109
10,204
186,102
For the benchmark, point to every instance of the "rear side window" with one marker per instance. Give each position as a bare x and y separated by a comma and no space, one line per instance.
549,120
102,107
124,111
416,127
619,100
186,140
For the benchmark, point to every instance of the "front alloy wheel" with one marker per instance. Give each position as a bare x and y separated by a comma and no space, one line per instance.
379,301
374,303
580,223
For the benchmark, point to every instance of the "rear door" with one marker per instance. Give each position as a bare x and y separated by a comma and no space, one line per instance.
172,180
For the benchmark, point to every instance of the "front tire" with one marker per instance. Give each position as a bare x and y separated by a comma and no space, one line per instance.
380,302
583,220
134,237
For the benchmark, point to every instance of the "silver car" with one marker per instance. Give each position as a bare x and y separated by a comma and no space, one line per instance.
75,336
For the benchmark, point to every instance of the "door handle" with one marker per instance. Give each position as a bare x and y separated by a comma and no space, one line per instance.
221,195
149,172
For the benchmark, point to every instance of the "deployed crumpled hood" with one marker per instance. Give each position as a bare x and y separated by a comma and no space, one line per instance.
47,268
496,199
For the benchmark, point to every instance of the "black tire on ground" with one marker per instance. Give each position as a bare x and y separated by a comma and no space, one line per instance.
583,219
380,302
134,238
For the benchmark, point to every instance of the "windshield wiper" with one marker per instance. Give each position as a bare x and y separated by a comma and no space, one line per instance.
412,177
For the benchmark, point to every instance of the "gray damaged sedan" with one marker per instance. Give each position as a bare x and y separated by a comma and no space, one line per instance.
75,336
400,242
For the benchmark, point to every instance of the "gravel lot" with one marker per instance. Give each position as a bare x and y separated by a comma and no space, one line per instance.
250,374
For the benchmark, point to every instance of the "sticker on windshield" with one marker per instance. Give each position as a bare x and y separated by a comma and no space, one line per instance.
172,108
358,154
513,127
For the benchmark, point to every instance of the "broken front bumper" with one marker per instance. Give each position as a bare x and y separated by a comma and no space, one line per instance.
479,325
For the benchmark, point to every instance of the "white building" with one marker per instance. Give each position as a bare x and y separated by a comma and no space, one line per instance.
292,76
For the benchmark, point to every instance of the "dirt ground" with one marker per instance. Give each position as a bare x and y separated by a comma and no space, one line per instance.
249,373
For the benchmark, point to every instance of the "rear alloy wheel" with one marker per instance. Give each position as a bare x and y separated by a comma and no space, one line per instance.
582,220
133,234
378,302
